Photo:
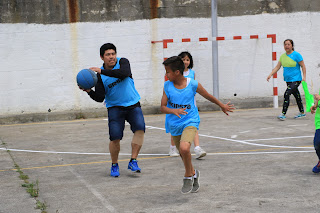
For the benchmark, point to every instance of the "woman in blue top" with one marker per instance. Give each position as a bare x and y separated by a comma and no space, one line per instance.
291,62
188,73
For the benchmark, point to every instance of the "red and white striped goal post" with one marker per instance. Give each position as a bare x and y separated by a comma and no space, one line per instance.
223,38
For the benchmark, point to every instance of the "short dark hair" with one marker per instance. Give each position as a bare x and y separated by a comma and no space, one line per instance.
184,54
290,42
175,63
107,46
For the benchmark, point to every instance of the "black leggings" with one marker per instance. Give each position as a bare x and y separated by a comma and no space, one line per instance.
292,88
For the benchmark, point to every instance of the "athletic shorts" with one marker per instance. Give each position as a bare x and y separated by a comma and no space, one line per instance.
117,117
187,135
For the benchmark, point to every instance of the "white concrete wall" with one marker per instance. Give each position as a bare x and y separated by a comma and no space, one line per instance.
39,62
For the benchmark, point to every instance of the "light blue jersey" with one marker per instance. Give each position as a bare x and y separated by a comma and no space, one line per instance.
119,92
181,98
190,74
291,66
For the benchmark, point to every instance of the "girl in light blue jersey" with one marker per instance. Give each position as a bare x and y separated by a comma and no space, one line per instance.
291,62
188,73
182,119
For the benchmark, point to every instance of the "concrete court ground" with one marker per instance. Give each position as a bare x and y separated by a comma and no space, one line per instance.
255,163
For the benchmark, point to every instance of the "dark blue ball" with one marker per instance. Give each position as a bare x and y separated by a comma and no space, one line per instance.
87,79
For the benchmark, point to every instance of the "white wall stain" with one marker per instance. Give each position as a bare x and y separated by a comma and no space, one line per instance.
273,5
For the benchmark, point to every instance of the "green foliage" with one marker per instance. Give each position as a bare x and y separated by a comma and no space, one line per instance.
41,206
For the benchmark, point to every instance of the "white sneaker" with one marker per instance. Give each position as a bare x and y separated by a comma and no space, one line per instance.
173,152
200,153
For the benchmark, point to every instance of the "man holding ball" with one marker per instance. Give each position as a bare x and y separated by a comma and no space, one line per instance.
116,86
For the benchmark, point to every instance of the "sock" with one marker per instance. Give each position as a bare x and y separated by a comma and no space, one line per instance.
195,174
172,146
114,164
197,147
190,178
132,159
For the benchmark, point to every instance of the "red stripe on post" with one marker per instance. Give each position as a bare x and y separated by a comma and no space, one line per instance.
275,91
237,37
203,39
219,38
186,40
273,37
275,75
254,36
166,41
274,56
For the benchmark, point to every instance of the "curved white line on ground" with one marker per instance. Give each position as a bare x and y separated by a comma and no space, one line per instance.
247,143
255,144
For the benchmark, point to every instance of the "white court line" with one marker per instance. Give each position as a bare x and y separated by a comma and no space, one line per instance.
284,138
266,128
75,153
298,125
152,127
252,144
129,154
245,131
256,144
102,200
257,153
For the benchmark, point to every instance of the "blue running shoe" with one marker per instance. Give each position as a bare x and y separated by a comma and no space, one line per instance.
282,117
300,115
316,169
115,170
133,165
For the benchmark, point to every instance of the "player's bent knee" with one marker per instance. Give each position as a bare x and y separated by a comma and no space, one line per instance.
184,147
138,137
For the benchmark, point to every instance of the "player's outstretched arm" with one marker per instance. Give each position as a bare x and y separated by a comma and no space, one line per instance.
167,110
224,107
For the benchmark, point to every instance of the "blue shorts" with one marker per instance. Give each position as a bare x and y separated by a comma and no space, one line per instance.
117,117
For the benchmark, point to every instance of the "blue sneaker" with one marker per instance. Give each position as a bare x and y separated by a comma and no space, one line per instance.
316,169
133,165
282,117
300,115
115,170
